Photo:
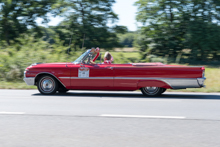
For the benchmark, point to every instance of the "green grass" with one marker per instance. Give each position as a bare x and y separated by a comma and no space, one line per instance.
125,54
15,85
212,83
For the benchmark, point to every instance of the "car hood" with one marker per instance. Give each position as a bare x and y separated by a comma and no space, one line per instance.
47,65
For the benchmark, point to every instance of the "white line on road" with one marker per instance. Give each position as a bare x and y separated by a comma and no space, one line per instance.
3,112
136,99
143,116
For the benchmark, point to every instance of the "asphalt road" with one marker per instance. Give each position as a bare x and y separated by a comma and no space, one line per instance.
108,119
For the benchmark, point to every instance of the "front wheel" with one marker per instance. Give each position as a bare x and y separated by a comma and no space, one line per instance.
47,85
152,91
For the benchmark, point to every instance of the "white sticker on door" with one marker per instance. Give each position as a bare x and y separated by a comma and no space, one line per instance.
83,72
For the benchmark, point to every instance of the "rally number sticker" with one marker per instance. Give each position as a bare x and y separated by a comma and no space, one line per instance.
83,72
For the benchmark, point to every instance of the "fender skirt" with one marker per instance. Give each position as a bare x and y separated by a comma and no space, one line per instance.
153,83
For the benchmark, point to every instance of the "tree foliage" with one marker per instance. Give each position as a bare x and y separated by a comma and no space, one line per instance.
16,16
86,21
127,39
174,25
29,49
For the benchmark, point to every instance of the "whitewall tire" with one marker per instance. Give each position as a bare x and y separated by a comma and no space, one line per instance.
47,85
152,91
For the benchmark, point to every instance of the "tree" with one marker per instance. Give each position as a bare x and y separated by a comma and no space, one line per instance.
174,25
86,21
127,39
204,41
120,29
16,16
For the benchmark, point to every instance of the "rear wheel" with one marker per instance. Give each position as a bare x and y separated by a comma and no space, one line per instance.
152,91
47,85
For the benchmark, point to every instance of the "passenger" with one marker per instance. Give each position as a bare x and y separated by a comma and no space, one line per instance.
96,51
108,58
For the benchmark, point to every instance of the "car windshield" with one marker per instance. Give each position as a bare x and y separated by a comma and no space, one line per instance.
82,57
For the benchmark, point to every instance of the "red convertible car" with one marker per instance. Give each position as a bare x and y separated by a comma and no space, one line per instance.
151,78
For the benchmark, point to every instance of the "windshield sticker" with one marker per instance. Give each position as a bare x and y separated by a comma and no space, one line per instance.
83,72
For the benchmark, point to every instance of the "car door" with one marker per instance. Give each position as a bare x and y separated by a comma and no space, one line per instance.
92,76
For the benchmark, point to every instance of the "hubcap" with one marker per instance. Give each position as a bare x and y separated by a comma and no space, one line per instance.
151,90
47,85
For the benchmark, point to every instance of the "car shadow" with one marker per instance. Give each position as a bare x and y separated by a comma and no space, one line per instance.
134,95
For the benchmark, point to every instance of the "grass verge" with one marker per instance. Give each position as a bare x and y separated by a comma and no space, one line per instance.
15,85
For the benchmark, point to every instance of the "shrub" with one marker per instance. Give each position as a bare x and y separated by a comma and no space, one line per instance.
15,58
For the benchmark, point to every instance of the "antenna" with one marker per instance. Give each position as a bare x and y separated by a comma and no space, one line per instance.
83,41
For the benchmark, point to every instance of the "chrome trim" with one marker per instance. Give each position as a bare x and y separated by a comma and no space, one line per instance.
125,78
175,83
167,83
51,75
65,77
182,83
201,81
29,81
143,78
86,77
25,74
93,78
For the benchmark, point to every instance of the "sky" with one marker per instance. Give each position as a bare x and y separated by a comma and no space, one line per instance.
124,8
126,13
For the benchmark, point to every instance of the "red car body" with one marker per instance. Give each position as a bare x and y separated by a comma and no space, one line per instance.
132,76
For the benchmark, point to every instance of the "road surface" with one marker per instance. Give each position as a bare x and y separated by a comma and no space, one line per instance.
108,119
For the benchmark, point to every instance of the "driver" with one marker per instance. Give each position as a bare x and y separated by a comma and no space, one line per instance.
96,51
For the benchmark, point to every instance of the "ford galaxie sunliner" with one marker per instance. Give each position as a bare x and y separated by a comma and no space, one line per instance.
151,78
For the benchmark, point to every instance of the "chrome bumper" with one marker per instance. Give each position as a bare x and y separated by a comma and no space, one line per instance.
201,81
29,81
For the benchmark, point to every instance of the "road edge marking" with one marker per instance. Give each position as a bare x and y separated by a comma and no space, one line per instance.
4,112
143,116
